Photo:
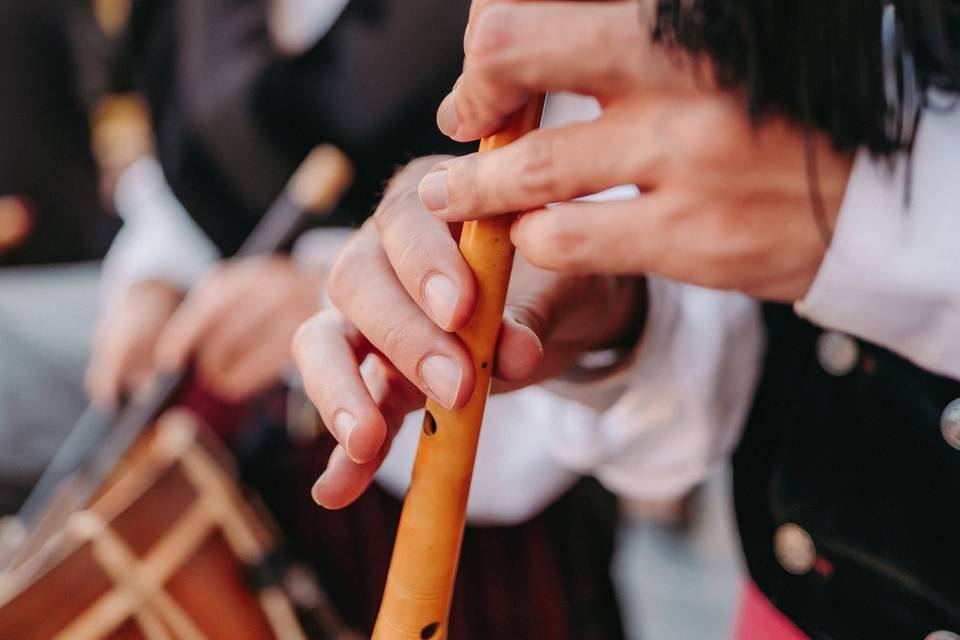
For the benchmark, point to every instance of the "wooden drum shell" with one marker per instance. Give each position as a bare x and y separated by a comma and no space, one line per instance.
159,554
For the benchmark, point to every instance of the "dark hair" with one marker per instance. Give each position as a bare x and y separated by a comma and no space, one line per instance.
821,62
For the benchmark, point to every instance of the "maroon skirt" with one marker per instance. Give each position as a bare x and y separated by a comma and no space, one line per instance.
548,577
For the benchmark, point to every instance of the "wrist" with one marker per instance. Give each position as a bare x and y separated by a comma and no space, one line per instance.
618,337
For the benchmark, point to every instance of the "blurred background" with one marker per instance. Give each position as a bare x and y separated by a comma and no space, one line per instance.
142,141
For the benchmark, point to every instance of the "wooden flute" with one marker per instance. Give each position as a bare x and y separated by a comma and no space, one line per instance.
423,568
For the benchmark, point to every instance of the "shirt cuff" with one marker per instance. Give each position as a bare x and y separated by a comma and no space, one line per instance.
159,240
891,275
684,400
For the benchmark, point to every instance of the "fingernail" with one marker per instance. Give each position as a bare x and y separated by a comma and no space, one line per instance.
433,190
343,423
440,295
316,492
447,116
442,377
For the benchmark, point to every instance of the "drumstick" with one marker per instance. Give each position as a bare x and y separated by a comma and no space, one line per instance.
419,588
101,436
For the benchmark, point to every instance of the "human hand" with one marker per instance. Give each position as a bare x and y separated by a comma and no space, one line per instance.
402,288
727,202
237,323
125,338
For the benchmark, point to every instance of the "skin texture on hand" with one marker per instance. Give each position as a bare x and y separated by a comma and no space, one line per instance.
237,323
235,326
401,289
124,340
727,202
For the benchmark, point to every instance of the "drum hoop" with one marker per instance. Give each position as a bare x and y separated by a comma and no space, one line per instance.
219,506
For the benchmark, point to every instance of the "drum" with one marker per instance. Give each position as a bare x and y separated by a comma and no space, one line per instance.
168,549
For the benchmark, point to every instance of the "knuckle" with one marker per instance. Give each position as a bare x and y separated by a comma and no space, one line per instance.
408,262
305,336
387,209
339,281
461,183
537,173
394,340
562,245
395,214
494,30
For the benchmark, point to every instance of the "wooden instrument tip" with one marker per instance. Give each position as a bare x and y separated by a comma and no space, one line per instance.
321,179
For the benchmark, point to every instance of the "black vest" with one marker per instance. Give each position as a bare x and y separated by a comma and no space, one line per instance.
847,487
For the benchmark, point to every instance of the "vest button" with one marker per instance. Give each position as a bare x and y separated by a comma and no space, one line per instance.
942,635
794,549
837,353
950,424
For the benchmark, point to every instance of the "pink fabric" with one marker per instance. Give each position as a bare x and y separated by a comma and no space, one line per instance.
758,619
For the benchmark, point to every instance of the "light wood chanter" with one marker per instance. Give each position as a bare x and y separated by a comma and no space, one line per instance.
419,588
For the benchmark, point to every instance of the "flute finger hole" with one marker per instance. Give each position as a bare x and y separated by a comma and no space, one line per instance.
430,630
429,424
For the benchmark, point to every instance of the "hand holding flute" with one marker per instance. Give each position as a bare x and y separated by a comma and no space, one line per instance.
385,284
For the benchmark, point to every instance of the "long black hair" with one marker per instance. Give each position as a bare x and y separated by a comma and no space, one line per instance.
828,64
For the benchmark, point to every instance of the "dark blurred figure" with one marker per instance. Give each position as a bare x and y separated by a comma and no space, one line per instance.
234,116
53,69
49,206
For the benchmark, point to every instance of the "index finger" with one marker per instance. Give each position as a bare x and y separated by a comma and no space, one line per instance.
521,49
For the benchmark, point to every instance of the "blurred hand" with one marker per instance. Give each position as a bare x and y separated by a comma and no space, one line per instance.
237,323
125,338
401,287
726,203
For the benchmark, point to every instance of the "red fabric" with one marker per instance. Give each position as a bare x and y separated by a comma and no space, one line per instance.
758,619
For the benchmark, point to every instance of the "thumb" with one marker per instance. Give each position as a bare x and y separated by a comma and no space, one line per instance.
520,347
535,301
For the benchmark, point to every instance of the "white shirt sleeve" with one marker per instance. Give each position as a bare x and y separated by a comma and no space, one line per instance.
516,475
892,273
651,430
296,25
158,239
685,400
681,408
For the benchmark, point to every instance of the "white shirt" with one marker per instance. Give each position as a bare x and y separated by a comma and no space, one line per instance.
516,474
892,273
891,276
680,407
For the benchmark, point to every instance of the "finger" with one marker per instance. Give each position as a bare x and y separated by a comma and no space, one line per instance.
545,166
116,365
232,339
537,302
328,352
252,371
517,50
476,9
624,237
190,325
104,376
344,480
364,287
519,349
426,260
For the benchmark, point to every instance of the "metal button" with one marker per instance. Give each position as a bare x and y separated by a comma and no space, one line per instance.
950,424
837,352
942,635
794,549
